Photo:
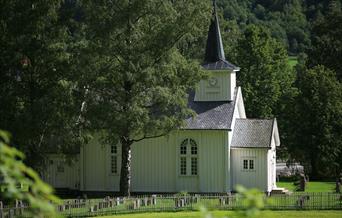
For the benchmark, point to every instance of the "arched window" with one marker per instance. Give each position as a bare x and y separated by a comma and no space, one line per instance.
188,162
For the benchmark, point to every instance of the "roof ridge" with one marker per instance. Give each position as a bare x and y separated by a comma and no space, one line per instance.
269,119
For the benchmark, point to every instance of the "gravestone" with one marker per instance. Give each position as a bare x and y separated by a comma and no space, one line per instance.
182,202
154,199
338,185
301,200
1,210
222,201
138,203
144,201
67,205
301,182
19,206
61,208
91,209
11,213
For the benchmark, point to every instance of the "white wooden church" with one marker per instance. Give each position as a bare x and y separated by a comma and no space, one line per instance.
214,152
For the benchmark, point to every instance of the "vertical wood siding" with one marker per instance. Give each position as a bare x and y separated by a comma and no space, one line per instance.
96,168
223,91
69,178
257,178
155,164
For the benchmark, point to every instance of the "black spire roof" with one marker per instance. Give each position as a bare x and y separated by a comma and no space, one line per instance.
214,53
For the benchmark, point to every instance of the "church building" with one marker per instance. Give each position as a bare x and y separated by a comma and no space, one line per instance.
216,150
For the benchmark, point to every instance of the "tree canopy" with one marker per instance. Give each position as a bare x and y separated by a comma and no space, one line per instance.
35,93
317,121
137,78
265,75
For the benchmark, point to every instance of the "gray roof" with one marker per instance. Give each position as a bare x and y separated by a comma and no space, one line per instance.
251,133
214,58
220,65
210,115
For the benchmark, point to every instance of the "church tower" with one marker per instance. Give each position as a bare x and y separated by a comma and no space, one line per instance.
221,83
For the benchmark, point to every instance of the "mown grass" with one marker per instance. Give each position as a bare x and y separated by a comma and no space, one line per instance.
310,187
234,214
292,61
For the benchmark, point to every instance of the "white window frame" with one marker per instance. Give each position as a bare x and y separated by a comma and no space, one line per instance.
191,153
114,152
250,162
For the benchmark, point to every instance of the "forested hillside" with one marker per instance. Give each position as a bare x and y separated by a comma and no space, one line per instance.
290,21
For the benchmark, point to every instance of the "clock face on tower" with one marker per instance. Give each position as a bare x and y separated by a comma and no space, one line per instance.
212,81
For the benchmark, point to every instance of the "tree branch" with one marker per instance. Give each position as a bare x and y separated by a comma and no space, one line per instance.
150,137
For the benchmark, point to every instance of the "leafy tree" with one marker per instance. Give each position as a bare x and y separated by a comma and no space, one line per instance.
265,75
35,88
318,121
13,172
136,77
327,43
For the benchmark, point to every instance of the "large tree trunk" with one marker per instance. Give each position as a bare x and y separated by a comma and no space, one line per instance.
314,168
125,175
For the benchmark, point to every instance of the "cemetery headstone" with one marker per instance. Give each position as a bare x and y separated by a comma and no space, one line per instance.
338,186
154,199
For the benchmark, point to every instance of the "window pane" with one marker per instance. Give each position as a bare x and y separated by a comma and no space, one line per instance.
193,147
183,146
114,149
194,166
183,165
114,164
245,164
251,164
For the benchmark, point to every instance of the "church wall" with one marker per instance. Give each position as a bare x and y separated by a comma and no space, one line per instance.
256,178
60,173
96,174
156,164
222,91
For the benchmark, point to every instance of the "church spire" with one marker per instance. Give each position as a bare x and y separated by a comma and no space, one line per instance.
214,50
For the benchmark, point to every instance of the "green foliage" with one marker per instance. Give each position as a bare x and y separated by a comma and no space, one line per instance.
252,200
286,20
36,95
265,76
318,121
14,172
137,77
327,43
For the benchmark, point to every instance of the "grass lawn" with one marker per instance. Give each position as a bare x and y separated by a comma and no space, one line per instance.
293,61
311,186
232,214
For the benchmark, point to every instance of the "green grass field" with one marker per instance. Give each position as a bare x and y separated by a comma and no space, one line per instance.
311,186
293,61
232,214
